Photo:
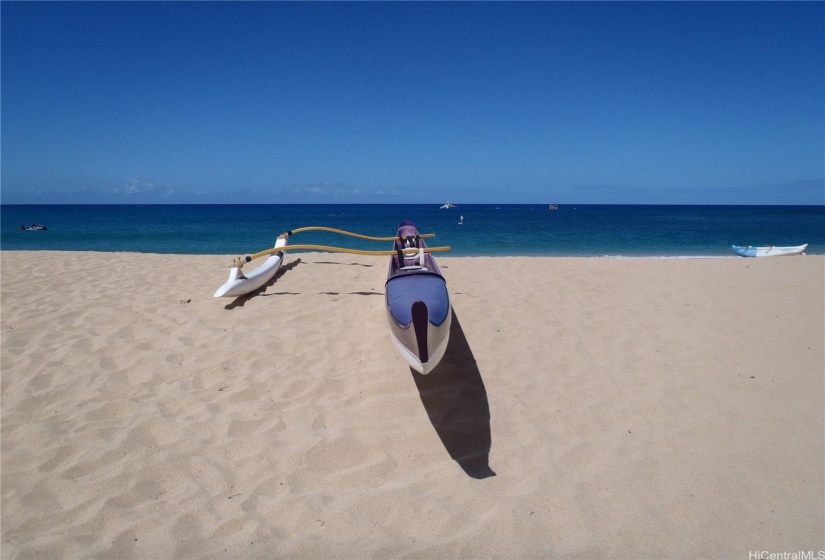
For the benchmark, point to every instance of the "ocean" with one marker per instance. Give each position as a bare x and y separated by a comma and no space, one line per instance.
488,229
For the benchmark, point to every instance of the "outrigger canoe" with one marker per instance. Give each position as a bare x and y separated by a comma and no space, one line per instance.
240,284
418,305
417,301
770,251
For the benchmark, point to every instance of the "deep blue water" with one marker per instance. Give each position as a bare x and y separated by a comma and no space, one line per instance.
572,230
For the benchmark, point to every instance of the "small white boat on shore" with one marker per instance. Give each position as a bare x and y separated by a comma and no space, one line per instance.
769,251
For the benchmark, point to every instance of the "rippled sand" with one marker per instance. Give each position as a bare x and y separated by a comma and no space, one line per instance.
585,408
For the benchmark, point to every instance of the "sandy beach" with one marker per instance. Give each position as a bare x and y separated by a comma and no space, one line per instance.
586,408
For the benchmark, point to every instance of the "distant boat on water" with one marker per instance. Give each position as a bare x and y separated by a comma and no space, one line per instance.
34,227
554,207
448,204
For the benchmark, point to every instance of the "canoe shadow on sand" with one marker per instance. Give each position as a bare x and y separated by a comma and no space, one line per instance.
454,397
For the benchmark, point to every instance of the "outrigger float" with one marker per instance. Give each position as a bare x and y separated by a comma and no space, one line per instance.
417,301
240,284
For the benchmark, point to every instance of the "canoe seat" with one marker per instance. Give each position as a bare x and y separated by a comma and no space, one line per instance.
415,262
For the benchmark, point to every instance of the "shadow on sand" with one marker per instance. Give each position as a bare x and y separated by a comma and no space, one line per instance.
344,264
454,397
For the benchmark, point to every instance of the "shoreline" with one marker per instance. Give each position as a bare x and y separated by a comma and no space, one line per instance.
587,407
445,255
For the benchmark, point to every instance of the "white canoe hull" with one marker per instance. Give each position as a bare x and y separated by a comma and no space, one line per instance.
770,251
240,284
438,338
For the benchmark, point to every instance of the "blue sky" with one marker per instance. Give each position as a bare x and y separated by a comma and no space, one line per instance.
537,102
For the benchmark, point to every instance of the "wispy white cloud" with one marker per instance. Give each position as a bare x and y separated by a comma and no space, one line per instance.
327,188
136,186
392,192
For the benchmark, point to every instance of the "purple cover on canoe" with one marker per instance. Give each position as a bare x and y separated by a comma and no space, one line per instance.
404,290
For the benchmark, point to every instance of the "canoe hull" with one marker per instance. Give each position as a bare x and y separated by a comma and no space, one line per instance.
770,251
419,315
418,306
240,284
